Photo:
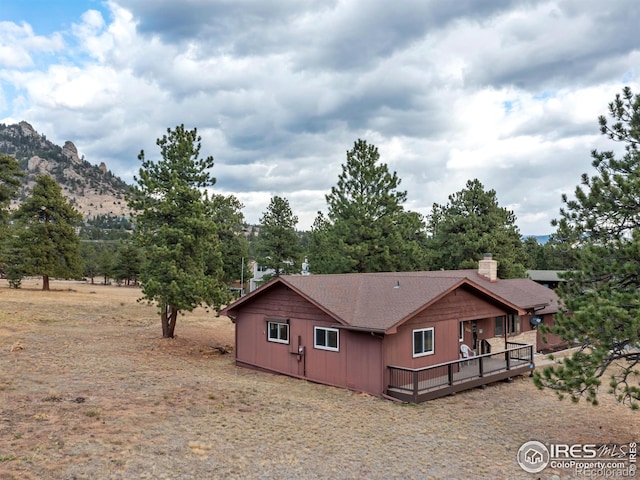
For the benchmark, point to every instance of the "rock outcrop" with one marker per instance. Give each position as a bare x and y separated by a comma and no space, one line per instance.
27,130
70,151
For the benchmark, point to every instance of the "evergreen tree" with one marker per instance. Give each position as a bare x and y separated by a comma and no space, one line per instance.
106,264
367,228
13,264
47,235
322,248
534,254
473,223
89,252
234,246
600,296
10,181
278,243
128,263
560,252
182,267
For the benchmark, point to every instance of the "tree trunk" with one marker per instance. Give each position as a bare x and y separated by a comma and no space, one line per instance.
172,320
45,282
164,317
168,318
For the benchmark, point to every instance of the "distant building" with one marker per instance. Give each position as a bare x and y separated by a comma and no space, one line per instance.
259,272
547,278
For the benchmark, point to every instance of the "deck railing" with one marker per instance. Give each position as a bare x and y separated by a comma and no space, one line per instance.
419,384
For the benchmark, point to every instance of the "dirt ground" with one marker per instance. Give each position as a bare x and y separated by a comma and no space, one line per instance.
90,390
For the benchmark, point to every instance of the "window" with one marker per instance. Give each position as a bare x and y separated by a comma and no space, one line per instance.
461,332
513,325
499,331
278,332
326,338
422,342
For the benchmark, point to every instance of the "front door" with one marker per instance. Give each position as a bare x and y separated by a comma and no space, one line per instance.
297,349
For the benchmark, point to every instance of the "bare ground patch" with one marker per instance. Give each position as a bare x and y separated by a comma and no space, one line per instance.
95,392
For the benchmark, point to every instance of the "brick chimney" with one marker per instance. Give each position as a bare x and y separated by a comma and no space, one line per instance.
488,267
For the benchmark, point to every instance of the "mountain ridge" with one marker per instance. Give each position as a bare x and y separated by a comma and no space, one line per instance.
92,189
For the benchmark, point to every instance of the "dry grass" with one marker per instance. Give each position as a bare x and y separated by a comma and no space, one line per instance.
94,392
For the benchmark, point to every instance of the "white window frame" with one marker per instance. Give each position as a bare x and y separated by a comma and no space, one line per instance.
413,342
326,337
461,332
280,324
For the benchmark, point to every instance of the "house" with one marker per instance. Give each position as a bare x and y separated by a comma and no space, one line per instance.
394,334
259,272
548,278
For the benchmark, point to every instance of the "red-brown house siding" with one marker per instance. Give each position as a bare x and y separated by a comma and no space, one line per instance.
357,365
444,316
553,341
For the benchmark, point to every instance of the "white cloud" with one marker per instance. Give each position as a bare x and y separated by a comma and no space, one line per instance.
19,44
506,92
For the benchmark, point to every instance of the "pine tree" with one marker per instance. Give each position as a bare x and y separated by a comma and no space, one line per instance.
47,235
234,246
10,181
473,223
128,263
278,243
600,296
182,267
367,228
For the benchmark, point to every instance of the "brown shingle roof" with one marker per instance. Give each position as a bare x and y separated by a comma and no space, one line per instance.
371,301
523,292
378,301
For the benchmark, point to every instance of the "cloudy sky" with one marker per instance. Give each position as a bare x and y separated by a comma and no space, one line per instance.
504,91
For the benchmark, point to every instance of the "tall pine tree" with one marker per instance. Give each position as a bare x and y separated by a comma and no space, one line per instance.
234,246
602,223
473,223
10,181
175,229
367,228
278,243
46,228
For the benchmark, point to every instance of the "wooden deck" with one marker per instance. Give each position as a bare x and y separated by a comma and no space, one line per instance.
419,385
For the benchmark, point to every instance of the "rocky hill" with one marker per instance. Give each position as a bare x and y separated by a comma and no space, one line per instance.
92,189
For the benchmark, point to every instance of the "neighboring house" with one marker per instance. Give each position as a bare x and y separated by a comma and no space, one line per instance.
547,278
393,334
259,271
